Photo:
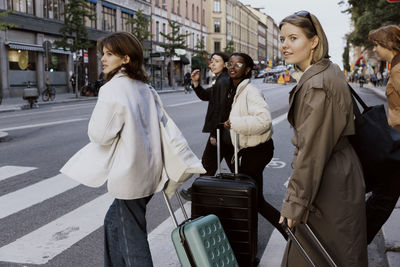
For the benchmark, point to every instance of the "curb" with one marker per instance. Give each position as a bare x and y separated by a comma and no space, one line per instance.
22,105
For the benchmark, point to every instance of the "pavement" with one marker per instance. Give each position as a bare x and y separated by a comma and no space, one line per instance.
386,247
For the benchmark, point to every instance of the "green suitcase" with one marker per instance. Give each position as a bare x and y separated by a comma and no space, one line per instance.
201,242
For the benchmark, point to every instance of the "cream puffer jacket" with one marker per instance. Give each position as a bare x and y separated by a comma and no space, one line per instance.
250,116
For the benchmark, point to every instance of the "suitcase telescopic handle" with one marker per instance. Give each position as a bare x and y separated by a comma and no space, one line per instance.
235,147
171,211
301,249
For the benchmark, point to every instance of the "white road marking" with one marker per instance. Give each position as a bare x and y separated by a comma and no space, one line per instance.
43,124
183,103
279,119
43,244
10,171
34,194
161,246
274,251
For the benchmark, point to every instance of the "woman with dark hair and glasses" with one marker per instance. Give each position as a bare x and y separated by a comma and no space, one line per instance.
250,118
326,189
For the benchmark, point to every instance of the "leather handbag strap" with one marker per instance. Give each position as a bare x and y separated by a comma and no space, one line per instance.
356,109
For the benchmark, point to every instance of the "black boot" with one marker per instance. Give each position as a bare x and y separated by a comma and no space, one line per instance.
187,194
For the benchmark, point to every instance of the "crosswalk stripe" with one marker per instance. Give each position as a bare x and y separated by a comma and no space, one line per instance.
43,244
10,171
161,246
42,124
34,194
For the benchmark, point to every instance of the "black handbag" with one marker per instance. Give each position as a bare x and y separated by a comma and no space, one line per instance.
376,143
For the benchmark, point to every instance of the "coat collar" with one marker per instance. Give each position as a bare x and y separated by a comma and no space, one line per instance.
395,60
241,87
316,68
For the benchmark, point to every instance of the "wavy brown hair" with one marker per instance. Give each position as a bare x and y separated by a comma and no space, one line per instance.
125,44
387,37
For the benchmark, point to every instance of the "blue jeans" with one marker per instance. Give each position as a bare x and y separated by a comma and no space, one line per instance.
125,234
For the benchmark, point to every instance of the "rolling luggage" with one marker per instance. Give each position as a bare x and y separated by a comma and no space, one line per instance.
301,249
200,242
233,198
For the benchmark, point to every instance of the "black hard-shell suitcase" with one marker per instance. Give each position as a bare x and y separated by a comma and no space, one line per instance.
233,198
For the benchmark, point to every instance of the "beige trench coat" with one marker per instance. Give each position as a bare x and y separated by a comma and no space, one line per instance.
326,188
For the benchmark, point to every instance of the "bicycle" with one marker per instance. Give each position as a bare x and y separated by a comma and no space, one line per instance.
49,94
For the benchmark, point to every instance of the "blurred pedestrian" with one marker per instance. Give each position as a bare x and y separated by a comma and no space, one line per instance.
386,188
217,112
250,118
187,80
326,187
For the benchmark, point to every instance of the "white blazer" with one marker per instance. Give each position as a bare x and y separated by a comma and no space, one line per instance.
250,116
126,109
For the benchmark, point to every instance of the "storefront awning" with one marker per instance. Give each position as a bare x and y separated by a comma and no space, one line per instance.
34,47
22,46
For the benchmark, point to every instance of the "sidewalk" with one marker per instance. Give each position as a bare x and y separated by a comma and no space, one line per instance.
10,104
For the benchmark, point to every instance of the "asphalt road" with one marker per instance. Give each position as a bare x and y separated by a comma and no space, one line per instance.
35,201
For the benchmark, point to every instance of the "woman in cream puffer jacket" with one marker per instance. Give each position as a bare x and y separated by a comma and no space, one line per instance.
250,118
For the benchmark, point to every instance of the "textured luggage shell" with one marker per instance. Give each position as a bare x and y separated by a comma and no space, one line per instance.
207,242
234,200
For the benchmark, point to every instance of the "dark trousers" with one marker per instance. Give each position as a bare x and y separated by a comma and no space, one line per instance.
209,159
382,201
125,234
253,161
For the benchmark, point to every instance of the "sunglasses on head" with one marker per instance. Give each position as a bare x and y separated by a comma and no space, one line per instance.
306,14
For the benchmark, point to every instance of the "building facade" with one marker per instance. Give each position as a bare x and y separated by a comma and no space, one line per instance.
230,20
191,17
22,57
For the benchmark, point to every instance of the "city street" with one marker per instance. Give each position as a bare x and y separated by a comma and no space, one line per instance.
47,219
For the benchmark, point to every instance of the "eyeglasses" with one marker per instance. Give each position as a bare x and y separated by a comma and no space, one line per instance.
306,14
237,64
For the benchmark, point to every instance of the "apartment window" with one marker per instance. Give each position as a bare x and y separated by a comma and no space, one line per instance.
193,18
92,10
217,46
173,6
24,6
187,10
157,3
157,31
178,7
125,17
109,19
164,26
203,19
53,9
217,26
164,5
187,39
217,5
197,14
193,40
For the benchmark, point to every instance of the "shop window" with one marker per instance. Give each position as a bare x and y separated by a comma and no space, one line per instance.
23,6
22,60
58,62
92,11
125,17
109,17
54,9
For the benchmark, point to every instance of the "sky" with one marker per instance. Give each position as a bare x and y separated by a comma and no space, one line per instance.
335,23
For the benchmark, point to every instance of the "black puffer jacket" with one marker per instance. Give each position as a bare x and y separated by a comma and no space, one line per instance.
216,96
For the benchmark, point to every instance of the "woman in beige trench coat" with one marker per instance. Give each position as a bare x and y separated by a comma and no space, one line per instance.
326,189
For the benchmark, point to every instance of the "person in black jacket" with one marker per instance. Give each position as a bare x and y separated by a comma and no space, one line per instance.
218,105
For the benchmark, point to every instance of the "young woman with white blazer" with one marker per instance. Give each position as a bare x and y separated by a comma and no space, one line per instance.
126,113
